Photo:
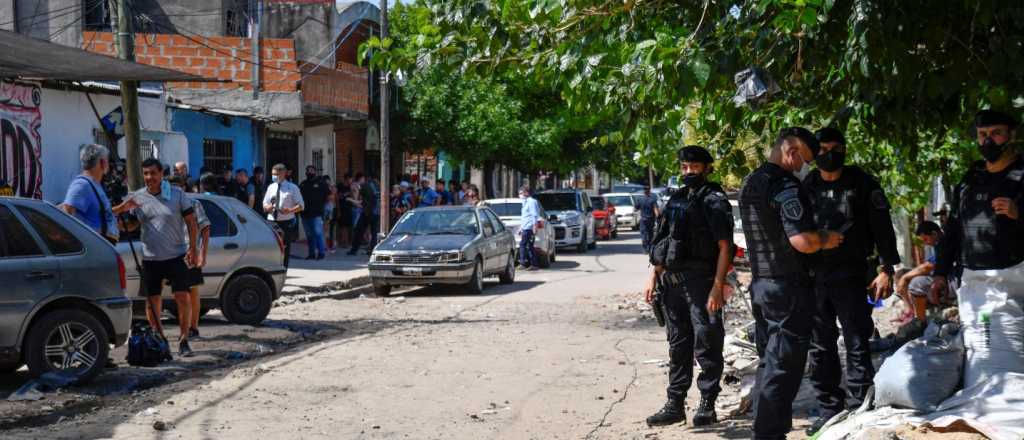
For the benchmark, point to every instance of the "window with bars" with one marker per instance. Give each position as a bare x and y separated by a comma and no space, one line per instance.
318,161
218,154
149,149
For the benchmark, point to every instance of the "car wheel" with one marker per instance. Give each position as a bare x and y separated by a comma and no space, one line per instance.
582,247
553,254
634,228
381,290
476,283
544,260
615,232
509,275
67,341
246,300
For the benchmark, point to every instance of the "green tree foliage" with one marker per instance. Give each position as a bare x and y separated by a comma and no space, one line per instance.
902,77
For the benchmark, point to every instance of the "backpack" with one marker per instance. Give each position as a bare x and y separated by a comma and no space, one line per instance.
147,348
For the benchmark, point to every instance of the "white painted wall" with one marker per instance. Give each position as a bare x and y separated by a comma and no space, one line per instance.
68,122
318,137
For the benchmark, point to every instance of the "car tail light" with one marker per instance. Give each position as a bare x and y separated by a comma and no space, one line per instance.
122,273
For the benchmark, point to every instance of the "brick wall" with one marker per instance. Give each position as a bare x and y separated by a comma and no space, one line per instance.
223,58
350,150
345,88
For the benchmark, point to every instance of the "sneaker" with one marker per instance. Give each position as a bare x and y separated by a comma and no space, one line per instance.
531,268
193,333
671,413
705,412
818,424
184,350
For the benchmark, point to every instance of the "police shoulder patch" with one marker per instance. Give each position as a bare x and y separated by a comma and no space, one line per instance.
792,209
878,200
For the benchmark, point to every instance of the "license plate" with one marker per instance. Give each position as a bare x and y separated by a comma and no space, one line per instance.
412,270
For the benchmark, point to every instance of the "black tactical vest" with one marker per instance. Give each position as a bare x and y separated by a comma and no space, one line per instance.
768,248
990,241
838,207
690,245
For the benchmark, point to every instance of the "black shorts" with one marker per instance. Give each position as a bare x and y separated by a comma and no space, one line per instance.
173,271
195,276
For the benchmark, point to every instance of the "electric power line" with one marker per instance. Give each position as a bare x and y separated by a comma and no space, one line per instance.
32,17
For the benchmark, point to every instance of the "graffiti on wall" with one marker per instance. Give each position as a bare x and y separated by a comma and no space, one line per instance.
20,143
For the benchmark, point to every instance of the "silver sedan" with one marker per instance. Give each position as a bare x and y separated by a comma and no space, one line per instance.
458,245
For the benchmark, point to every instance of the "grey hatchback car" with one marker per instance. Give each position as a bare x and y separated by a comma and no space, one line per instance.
63,300
444,245
244,270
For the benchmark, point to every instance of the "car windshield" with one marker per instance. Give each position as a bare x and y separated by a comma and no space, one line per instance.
558,201
438,222
598,203
620,200
507,209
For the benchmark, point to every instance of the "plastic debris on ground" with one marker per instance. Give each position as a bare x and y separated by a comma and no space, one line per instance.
47,382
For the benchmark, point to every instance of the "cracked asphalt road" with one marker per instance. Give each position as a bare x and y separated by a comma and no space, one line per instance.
548,357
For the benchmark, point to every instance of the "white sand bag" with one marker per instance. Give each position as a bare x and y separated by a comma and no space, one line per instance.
992,318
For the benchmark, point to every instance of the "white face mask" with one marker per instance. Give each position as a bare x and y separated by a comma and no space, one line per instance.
805,169
273,178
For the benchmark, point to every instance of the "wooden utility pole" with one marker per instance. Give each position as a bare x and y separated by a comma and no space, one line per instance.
125,42
385,135
256,10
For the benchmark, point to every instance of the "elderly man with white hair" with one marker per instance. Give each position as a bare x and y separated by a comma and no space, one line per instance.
181,169
86,198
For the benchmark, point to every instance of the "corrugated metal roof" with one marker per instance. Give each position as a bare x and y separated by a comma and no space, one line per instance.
29,58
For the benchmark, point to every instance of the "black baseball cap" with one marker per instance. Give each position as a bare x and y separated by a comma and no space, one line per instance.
694,153
830,134
804,135
988,118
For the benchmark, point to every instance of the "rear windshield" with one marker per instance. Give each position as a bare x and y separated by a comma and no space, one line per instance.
507,209
620,200
438,222
598,203
557,201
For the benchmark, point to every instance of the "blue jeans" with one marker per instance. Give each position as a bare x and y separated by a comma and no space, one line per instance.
527,257
314,227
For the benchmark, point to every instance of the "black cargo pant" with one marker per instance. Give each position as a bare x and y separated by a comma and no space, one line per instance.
846,300
692,332
647,233
782,308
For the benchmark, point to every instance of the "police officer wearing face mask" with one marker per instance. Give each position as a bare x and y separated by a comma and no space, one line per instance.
691,253
984,229
849,200
778,223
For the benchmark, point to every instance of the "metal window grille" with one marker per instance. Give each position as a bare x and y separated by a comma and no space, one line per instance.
149,149
218,155
318,161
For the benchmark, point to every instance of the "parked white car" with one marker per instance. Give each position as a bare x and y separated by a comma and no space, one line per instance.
625,214
510,213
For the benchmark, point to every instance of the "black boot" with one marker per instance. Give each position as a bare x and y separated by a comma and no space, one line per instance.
819,423
705,412
672,412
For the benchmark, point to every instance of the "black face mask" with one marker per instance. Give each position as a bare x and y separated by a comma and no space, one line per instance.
990,150
693,180
831,160
310,175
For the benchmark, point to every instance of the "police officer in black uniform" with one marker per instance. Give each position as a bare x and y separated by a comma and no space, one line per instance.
691,254
984,229
779,227
849,200
647,205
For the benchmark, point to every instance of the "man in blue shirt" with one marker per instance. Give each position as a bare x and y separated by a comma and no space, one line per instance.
528,223
86,200
913,286
428,197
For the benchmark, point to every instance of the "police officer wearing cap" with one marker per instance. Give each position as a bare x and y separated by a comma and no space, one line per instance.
778,223
849,200
984,229
691,253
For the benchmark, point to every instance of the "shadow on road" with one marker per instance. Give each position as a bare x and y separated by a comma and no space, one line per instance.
491,289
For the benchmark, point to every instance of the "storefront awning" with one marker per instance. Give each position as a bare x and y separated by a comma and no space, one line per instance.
29,58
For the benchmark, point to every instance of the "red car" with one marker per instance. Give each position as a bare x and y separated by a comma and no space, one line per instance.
604,219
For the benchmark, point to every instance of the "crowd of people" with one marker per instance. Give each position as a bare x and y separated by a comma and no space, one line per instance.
822,249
